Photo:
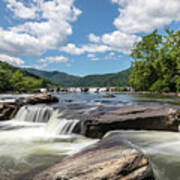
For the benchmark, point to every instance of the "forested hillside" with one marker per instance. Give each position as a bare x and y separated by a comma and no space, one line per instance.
63,79
120,79
59,78
15,79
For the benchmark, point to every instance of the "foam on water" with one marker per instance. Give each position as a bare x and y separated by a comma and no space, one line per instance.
26,134
61,126
31,146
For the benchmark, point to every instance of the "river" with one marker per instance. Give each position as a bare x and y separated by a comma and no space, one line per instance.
38,136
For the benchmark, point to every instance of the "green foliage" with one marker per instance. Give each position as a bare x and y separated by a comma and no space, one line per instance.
156,65
4,80
107,80
60,78
15,79
121,89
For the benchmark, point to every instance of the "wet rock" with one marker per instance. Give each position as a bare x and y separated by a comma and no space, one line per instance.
110,159
68,100
109,96
42,98
85,90
96,124
8,111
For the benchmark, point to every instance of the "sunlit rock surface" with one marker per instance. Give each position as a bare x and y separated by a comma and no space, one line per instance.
110,159
42,98
137,118
98,122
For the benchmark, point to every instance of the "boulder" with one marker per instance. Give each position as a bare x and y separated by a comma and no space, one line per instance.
8,110
161,118
68,100
110,159
42,98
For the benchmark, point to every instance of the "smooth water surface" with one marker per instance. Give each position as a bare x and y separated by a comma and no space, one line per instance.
163,149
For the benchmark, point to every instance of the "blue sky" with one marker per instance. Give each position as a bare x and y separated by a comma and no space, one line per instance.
79,37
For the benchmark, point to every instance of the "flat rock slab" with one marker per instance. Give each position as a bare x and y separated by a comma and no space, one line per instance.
110,159
97,123
137,118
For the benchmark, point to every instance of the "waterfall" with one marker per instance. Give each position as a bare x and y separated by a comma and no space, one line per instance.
39,113
57,126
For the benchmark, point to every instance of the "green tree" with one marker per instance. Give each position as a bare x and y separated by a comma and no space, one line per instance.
5,83
18,81
156,65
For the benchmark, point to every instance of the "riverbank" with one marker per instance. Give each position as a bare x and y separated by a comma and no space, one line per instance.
155,93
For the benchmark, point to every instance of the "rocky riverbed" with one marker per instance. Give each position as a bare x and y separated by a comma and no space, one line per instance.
113,157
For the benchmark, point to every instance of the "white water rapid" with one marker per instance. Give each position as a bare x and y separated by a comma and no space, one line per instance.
58,126
39,113
37,136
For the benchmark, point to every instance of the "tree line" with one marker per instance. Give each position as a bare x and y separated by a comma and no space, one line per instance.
15,79
156,65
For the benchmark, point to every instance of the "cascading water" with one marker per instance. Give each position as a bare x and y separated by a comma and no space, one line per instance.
57,126
37,136
40,113
36,116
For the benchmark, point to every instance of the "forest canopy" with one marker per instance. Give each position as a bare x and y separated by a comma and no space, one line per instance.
156,65
15,79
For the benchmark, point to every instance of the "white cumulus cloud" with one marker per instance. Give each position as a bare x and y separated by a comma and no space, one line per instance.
120,41
20,10
11,60
136,16
93,38
46,26
51,59
72,49
87,48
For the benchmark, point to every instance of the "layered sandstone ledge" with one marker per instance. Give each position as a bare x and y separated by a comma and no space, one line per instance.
158,118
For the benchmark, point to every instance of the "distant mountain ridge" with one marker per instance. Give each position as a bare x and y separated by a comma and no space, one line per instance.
66,80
